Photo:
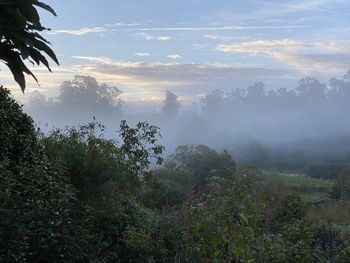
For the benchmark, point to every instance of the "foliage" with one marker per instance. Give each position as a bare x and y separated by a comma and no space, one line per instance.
85,92
108,177
221,226
246,222
338,172
100,168
161,193
37,204
20,39
140,144
201,165
38,216
311,190
18,140
171,105
87,159
326,170
334,212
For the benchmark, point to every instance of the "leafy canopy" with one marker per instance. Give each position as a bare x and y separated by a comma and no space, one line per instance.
20,39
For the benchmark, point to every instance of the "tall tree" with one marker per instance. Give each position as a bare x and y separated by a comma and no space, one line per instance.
311,89
86,92
171,105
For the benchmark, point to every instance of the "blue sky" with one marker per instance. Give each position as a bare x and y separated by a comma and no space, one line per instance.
193,46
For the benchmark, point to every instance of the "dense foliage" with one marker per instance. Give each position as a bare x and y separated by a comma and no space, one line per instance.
74,196
37,203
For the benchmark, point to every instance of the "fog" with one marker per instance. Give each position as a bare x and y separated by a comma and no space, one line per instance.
282,127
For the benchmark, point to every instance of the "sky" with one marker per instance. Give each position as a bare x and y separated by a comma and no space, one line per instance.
190,47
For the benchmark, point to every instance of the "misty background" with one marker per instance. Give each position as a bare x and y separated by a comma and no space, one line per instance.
281,128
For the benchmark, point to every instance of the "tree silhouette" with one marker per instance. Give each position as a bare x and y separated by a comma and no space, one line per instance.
86,92
171,104
20,39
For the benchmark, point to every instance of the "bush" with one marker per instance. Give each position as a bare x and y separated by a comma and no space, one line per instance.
37,204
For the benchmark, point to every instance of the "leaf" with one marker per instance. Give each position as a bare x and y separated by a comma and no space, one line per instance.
37,35
43,47
216,239
17,68
46,7
37,57
30,13
20,24
24,50
18,75
244,218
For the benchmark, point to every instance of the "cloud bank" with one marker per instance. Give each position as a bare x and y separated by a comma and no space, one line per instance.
307,57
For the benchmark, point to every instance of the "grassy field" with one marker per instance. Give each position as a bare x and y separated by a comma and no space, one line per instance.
312,191
335,212
315,192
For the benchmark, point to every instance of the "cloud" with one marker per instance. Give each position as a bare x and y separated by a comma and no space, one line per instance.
150,37
222,38
298,6
96,29
198,46
285,45
142,54
174,56
284,12
261,46
305,56
224,28
163,38
112,28
330,63
118,24
79,32
212,37
143,80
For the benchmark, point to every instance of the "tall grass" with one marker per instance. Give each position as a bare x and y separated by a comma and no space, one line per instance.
333,212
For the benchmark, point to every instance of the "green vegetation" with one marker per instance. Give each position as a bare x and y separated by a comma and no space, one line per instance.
311,190
74,196
335,212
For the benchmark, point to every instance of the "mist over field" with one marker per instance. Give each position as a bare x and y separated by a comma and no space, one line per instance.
270,127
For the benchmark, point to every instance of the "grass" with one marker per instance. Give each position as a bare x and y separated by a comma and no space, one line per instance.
312,191
315,192
333,212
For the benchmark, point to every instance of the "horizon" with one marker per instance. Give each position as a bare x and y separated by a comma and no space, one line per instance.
192,47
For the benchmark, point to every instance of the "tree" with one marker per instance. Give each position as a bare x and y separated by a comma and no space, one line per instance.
202,165
311,89
37,99
37,203
94,164
20,40
340,88
256,92
18,139
108,177
86,92
171,105
212,103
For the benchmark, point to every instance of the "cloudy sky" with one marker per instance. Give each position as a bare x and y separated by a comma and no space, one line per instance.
194,46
